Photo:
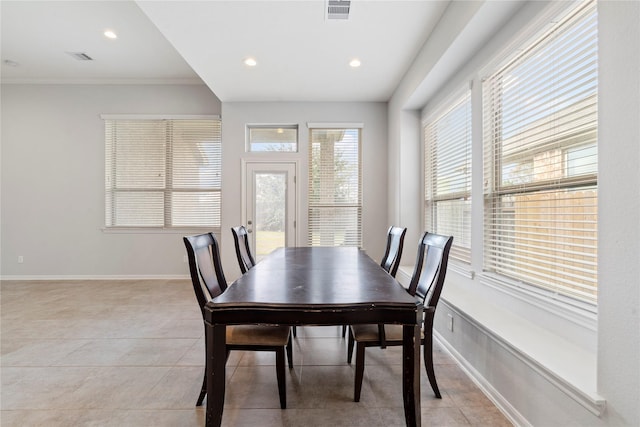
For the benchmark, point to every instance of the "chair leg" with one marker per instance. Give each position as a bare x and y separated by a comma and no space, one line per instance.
282,386
428,358
344,330
203,390
295,331
350,346
290,352
359,371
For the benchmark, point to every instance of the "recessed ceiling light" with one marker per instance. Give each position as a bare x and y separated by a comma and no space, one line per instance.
355,63
110,34
250,62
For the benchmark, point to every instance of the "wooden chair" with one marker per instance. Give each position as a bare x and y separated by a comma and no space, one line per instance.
243,252
392,255
426,284
393,252
209,282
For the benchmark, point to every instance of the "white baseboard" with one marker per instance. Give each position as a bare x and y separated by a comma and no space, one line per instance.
501,403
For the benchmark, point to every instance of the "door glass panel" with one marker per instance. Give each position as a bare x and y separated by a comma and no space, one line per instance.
270,212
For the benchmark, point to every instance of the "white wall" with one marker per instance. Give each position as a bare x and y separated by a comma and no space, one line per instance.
235,117
529,360
53,181
619,210
53,176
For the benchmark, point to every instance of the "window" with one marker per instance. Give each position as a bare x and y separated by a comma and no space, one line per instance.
335,189
447,137
162,173
280,138
540,136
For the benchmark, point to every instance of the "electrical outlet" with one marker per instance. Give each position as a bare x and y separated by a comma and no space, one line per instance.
450,318
20,259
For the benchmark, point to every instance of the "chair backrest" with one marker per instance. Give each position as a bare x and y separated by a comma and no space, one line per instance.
205,267
243,252
431,269
393,252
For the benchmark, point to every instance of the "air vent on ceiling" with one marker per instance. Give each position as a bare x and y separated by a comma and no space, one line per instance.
80,56
338,9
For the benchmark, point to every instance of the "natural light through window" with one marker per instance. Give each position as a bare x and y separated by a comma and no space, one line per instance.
447,136
335,188
540,165
162,173
272,138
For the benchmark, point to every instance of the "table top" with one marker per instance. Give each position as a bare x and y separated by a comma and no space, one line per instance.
314,285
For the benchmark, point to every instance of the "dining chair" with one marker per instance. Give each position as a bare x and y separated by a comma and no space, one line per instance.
208,281
393,252
392,255
243,253
426,284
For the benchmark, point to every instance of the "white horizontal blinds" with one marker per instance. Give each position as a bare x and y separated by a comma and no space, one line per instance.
162,173
196,152
335,188
135,173
540,133
448,175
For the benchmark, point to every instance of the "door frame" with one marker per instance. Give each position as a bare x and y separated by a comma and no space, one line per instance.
292,211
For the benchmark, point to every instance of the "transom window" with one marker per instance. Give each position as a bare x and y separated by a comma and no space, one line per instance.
272,138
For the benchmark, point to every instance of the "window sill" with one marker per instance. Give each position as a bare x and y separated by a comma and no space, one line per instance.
568,366
147,230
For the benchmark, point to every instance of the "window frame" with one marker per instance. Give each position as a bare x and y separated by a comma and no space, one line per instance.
355,239
495,189
249,140
433,174
168,189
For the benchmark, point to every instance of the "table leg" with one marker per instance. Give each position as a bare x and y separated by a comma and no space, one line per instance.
411,374
216,354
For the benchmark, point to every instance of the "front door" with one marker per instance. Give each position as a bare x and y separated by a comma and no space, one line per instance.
270,206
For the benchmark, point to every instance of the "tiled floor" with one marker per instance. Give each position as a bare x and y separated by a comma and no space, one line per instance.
131,353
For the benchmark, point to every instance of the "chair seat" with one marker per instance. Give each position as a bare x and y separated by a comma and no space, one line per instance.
369,333
258,335
207,277
426,285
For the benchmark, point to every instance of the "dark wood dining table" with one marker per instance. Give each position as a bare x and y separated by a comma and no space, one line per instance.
313,286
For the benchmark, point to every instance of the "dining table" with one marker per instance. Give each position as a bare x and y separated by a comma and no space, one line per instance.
313,286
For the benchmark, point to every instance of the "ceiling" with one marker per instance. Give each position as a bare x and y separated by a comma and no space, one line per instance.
38,35
300,54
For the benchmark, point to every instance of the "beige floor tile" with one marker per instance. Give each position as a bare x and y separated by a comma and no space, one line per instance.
179,388
321,351
256,387
355,416
102,353
328,387
441,417
37,352
485,416
38,418
128,352
235,417
42,388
